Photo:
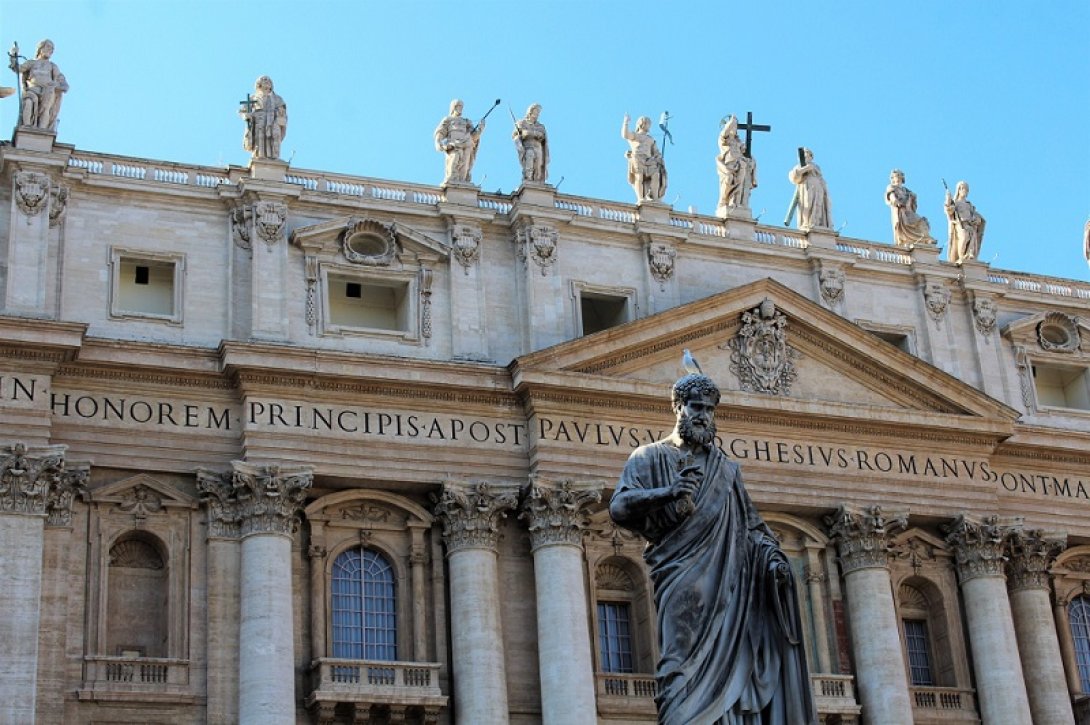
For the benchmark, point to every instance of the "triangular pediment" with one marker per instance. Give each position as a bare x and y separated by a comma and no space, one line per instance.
840,369
143,490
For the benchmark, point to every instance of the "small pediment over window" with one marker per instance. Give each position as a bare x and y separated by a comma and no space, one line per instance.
369,242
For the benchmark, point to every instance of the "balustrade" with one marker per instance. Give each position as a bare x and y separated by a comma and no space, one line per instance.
944,698
121,677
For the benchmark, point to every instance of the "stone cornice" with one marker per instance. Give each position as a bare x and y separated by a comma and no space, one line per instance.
1031,556
38,340
471,513
863,536
978,546
556,513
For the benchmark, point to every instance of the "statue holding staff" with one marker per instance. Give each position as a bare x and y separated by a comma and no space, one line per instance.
42,85
966,226
458,138
266,117
730,633
532,145
646,167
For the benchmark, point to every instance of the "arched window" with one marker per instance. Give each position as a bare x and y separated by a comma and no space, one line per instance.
623,619
137,601
363,606
1079,614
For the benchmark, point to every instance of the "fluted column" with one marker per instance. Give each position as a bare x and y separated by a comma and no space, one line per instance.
863,540
470,516
33,485
815,576
1031,556
1001,688
556,516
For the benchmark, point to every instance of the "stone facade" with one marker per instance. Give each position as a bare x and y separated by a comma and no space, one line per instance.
225,392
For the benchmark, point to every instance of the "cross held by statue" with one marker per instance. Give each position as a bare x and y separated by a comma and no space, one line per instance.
749,127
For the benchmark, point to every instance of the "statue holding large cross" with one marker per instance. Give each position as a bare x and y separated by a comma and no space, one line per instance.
736,166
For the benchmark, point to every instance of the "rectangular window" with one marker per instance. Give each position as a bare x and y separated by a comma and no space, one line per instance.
614,637
146,285
598,308
1062,387
369,304
919,653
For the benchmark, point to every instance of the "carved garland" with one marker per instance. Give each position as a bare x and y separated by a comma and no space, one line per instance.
660,258
270,218
31,192
466,245
984,315
369,242
937,299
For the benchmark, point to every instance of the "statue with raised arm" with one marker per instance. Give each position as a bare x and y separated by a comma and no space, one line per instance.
966,226
458,138
737,172
908,227
814,209
532,144
646,167
729,629
266,117
43,87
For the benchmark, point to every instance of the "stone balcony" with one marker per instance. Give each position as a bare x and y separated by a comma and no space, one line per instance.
943,705
346,690
136,679
633,696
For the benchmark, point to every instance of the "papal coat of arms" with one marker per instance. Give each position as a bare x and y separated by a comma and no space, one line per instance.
760,355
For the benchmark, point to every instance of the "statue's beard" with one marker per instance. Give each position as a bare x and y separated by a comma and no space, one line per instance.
703,435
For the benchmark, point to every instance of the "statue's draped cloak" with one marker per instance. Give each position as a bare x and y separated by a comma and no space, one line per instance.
729,636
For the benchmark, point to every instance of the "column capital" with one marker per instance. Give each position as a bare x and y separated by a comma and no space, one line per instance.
863,536
253,499
978,546
471,513
37,481
555,512
1031,554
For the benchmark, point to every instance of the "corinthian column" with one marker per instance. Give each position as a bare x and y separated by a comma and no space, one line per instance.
863,542
978,548
269,500
1031,556
556,517
33,484
470,516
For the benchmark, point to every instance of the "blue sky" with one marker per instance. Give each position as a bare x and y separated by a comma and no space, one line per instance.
996,93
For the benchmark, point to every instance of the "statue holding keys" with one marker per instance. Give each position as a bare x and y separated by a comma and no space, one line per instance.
730,634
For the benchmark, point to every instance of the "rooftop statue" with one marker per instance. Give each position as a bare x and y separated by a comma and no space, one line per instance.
266,117
966,227
43,87
729,628
908,227
532,145
811,193
458,138
737,172
646,167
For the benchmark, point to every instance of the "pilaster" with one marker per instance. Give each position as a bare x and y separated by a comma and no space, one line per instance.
978,547
470,514
556,516
38,202
35,485
863,540
1031,556
468,291
540,286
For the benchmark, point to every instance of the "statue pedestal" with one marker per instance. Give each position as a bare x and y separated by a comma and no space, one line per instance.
268,169
30,138
734,212
974,270
822,237
653,212
535,194
924,254
461,194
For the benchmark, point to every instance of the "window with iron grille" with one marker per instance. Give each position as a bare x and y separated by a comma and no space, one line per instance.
615,637
364,608
919,653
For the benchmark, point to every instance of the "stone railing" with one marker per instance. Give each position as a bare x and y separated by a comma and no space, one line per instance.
874,252
150,171
835,695
367,678
596,209
946,703
126,678
626,694
1036,283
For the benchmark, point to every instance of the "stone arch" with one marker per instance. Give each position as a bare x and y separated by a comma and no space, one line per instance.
137,596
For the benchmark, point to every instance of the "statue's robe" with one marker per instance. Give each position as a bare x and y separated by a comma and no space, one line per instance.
729,634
